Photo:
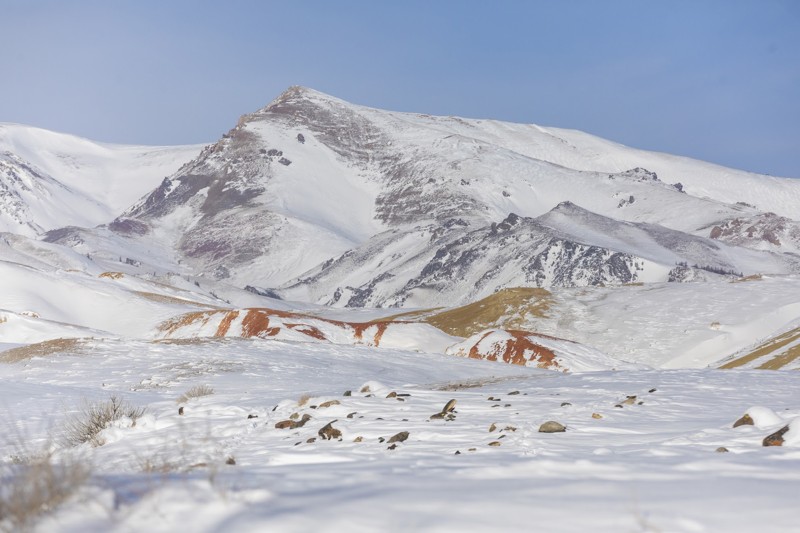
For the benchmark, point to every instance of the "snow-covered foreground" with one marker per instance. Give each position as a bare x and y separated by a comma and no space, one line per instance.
638,467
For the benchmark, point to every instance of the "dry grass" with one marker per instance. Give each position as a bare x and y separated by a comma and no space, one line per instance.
41,349
506,309
31,489
164,299
87,425
198,391
304,399
752,277
112,275
772,347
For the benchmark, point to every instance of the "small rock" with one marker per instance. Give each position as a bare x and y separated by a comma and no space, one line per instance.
230,461
403,394
493,399
618,405
294,416
630,400
400,399
437,416
492,427
311,440
358,439
329,403
472,449
286,424
180,411
722,449
552,427
597,416
652,390
251,416
329,432
457,453
513,393
365,389
351,415
381,439
746,420
565,404
449,406
495,443
509,428
392,394
392,447
348,393
640,403
302,421
400,437
313,406
776,439
507,405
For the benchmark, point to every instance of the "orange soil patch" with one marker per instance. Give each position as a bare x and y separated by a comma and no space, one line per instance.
225,325
517,350
112,275
256,323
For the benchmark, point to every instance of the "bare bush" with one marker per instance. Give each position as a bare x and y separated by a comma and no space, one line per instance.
30,489
89,423
197,391
304,399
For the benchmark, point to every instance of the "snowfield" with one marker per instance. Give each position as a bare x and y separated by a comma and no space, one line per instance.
647,464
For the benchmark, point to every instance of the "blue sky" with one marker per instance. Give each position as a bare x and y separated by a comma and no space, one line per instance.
715,80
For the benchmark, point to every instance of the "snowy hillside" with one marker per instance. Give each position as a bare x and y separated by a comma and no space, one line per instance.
50,180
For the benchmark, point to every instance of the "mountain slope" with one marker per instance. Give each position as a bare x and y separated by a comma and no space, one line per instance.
49,180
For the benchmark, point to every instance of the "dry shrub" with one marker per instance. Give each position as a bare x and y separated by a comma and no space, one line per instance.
197,391
33,488
94,418
304,399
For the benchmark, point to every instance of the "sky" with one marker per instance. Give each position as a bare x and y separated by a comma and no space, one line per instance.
715,80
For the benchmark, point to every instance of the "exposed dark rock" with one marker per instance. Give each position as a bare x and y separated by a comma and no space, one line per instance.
776,439
399,437
329,432
552,427
746,420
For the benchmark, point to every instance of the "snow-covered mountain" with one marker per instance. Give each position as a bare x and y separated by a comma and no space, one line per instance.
336,203
49,180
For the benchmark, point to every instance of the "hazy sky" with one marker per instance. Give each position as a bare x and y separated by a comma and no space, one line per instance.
716,80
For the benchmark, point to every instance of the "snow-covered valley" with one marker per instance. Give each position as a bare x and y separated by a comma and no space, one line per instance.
224,298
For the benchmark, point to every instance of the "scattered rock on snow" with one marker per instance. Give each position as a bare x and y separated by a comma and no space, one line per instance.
597,416
552,427
565,404
630,400
492,427
400,437
329,432
495,443
776,439
329,403
746,420
722,449
392,394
